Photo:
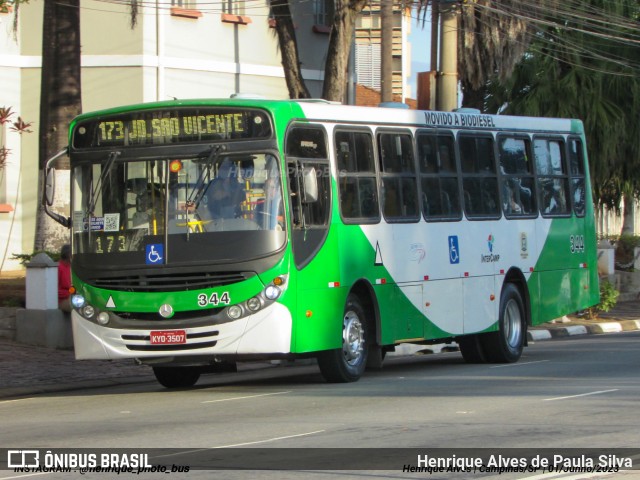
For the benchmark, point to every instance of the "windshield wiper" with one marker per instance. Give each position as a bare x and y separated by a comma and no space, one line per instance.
98,188
202,184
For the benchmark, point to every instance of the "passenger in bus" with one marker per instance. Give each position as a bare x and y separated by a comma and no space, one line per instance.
225,194
64,279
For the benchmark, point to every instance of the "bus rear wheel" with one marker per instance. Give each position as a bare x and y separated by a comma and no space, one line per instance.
177,377
347,363
506,345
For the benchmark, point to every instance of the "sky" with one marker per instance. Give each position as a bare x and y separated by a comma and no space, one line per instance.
420,39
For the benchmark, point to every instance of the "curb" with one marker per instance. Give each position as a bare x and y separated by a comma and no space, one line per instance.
536,333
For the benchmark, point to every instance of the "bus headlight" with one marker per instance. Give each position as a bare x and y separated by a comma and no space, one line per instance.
272,292
234,312
78,301
253,304
88,311
103,318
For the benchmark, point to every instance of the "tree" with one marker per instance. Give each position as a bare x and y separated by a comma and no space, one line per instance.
576,69
289,49
60,101
340,40
492,37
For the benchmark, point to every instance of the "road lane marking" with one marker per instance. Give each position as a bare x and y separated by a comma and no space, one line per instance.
518,364
16,400
246,397
238,444
26,475
600,392
274,439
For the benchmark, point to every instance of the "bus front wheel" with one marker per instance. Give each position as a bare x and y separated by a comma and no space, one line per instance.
506,345
471,348
177,377
347,363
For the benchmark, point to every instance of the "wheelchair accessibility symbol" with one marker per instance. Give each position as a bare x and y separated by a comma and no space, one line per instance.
154,254
454,256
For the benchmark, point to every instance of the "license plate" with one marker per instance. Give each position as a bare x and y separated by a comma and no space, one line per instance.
168,337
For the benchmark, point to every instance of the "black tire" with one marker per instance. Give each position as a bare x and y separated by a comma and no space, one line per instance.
177,377
472,349
506,345
347,363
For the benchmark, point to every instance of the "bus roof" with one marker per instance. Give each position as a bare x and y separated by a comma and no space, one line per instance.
325,111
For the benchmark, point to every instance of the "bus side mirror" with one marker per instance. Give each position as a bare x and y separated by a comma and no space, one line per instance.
49,186
310,185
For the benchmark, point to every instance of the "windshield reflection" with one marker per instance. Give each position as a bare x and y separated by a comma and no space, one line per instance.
118,205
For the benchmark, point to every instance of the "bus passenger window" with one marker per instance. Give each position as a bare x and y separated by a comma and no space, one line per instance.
399,182
553,186
479,177
357,177
438,177
576,167
516,177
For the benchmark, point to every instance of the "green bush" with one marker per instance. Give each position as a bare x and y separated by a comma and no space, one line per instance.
608,299
25,258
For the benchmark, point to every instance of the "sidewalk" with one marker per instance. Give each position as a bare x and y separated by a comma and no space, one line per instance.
28,370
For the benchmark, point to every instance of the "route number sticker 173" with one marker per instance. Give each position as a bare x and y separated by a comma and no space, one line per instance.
214,299
577,243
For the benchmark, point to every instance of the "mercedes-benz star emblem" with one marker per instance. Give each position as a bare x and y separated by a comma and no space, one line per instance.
166,310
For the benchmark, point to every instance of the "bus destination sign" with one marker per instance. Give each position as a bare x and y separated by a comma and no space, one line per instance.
171,126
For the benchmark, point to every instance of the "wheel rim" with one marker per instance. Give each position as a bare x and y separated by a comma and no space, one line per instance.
512,324
352,338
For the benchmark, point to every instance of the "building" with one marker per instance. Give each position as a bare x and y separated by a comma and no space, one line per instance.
178,49
368,49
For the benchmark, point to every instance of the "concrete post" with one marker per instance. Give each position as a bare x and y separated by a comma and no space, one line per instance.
42,323
42,283
447,87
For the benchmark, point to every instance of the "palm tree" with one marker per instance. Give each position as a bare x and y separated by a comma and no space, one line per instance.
572,71
60,100
492,37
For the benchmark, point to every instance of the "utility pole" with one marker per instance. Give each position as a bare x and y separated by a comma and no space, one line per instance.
386,50
447,77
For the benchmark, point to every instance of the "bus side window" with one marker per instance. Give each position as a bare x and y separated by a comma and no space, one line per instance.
553,185
479,178
357,177
576,170
399,185
438,177
516,177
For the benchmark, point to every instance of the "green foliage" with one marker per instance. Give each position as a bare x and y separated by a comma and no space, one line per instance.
608,299
573,72
25,258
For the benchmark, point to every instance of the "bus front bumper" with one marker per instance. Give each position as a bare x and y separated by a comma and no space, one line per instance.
266,332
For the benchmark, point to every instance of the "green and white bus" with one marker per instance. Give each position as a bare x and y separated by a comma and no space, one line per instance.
209,232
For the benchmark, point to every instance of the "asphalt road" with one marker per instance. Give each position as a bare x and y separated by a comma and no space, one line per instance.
579,392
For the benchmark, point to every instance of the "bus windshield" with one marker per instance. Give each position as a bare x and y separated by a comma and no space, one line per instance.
121,207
